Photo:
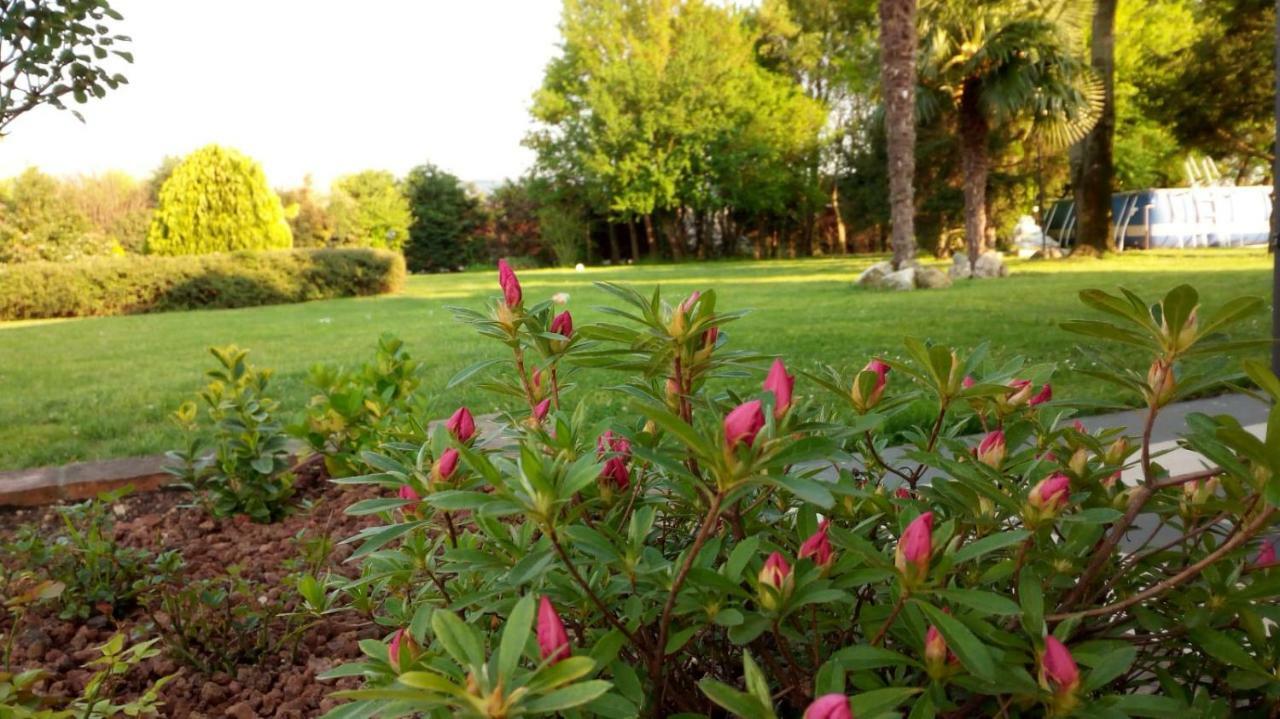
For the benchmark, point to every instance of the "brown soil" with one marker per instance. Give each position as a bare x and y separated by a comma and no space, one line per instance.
281,686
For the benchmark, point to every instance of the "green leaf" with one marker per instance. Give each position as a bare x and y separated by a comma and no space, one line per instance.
879,701
561,673
988,603
806,490
431,682
740,556
971,652
1110,666
676,427
1149,705
568,697
988,544
470,371
1031,597
1225,649
738,703
861,657
515,636
458,639
757,683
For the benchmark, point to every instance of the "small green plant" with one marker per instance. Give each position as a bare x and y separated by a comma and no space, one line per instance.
357,411
97,574
23,590
222,623
19,698
249,472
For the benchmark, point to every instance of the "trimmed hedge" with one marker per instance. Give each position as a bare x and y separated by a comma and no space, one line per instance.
134,284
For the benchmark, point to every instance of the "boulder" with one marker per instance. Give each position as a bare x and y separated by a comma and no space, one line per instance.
903,279
929,278
989,264
1049,253
871,276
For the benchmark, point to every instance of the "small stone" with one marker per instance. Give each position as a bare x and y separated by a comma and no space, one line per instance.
241,710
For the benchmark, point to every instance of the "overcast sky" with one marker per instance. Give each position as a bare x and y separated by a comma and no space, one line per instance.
310,86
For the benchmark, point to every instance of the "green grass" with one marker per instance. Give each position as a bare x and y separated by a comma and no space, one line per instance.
103,387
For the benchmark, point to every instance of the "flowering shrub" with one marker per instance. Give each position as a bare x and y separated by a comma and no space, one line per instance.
770,555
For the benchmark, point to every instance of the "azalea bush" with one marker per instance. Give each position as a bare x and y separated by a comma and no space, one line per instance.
713,553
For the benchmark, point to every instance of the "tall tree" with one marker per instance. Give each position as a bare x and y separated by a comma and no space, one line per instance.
56,48
445,220
1275,203
1010,62
368,209
1093,176
898,83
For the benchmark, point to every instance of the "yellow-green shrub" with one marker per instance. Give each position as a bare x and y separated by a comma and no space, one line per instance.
134,284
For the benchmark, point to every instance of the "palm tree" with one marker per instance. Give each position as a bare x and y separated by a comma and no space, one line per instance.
997,63
898,85
1093,175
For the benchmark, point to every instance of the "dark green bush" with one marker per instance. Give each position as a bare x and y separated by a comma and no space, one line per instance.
134,285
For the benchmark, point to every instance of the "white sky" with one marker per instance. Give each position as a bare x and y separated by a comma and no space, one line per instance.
317,86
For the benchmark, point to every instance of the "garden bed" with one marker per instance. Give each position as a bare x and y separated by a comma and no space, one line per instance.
279,686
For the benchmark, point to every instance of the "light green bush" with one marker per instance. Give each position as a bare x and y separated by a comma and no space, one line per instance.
217,200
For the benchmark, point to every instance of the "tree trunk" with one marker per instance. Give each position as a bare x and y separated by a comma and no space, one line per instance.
1093,186
635,240
842,235
973,164
898,84
1275,217
648,236
614,255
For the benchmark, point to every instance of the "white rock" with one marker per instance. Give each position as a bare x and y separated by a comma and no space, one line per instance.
903,279
929,278
871,276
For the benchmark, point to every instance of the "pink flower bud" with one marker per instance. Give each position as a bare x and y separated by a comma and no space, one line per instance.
689,302
780,384
1058,668
553,642
968,382
1160,383
991,450
818,546
540,411
829,706
1050,494
563,324
915,547
401,649
616,472
1266,556
872,398
610,442
445,466
775,571
407,493
510,284
935,648
1044,395
461,425
902,493
709,337
743,424
1019,392
1079,427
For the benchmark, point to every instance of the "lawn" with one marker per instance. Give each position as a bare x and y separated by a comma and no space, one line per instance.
103,387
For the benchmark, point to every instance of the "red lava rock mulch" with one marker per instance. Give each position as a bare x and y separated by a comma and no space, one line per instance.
280,686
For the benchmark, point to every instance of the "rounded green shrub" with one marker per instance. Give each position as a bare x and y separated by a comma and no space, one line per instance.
217,200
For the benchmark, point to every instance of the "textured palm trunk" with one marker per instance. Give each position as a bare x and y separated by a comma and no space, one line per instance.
898,83
973,164
1275,218
635,240
1093,185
